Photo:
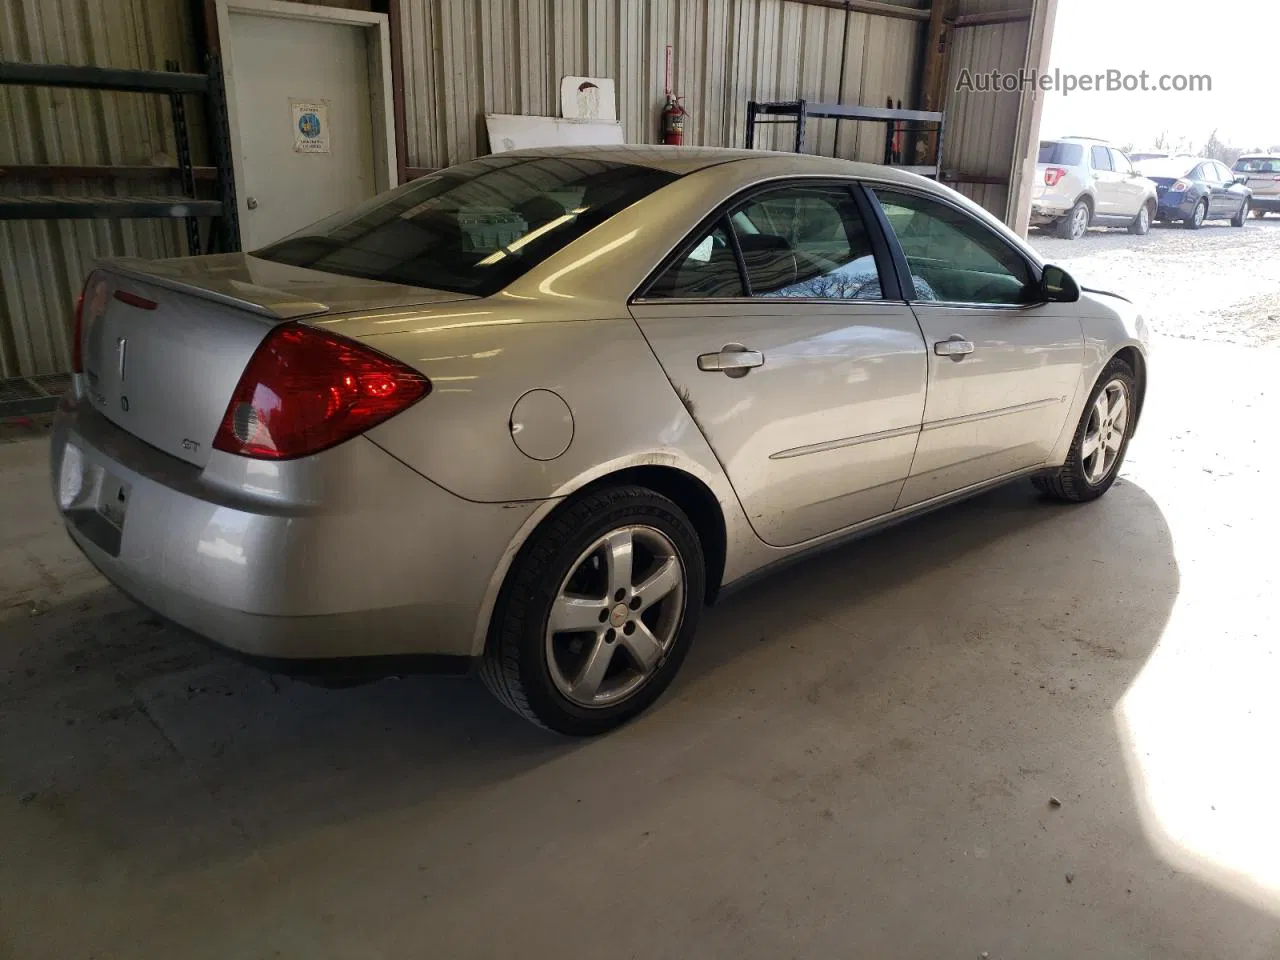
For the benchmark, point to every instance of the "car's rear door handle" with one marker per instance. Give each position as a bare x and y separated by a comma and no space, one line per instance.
733,359
956,347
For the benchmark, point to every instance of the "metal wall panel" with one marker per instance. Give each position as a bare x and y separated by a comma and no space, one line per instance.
465,58
42,263
982,127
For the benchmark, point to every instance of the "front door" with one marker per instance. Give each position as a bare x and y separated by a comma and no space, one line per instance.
809,386
1002,372
304,113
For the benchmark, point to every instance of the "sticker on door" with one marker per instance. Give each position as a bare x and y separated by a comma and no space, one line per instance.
310,126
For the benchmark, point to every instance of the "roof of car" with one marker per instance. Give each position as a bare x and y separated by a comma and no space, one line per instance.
1258,156
682,160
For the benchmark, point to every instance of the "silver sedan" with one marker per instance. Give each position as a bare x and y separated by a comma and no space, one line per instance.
528,415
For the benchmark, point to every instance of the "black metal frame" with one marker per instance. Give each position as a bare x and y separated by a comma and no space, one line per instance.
177,85
909,122
24,395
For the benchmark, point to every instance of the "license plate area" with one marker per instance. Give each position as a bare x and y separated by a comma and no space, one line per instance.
113,500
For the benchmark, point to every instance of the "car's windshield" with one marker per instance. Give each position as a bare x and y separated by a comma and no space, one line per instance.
1055,151
1258,165
472,228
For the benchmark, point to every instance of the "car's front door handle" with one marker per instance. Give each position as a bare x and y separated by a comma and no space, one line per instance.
733,359
956,347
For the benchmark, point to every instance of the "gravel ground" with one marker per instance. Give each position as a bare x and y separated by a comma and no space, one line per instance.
1219,283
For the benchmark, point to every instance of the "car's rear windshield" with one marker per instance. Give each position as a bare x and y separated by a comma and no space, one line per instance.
1063,154
473,228
1258,165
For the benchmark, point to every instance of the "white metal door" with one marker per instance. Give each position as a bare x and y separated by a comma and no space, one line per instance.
305,121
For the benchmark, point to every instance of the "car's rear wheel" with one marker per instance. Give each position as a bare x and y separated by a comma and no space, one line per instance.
1141,224
1239,219
1076,223
1196,220
598,611
1100,441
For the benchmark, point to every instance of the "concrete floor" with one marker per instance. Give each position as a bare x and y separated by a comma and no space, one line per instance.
857,760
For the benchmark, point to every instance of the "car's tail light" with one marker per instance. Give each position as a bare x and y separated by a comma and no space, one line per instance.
305,390
90,305
1180,186
1052,175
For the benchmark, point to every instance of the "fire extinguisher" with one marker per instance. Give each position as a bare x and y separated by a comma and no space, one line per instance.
673,115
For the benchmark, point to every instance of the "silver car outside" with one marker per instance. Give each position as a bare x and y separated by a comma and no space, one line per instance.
554,401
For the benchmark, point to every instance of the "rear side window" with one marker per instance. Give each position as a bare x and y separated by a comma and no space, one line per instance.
795,241
707,269
808,242
1101,158
1059,153
473,228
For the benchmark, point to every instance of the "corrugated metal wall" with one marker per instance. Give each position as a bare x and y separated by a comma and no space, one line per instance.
42,262
981,126
466,58
462,59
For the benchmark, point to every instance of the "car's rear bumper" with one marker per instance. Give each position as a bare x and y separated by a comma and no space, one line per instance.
1270,204
1175,206
1047,211
348,554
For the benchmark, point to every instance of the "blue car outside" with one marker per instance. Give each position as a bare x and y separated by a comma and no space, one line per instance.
1191,190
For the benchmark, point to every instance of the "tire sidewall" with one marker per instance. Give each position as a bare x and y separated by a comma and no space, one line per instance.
541,586
1115,370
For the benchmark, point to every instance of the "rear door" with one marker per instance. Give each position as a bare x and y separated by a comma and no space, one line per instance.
1130,186
773,326
1002,371
1110,200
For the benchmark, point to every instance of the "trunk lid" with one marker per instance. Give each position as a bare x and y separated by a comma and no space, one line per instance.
163,357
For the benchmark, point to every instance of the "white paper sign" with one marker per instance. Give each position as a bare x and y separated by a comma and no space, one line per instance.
588,98
515,132
310,126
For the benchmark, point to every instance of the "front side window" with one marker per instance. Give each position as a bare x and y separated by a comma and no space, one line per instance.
807,242
473,228
1101,158
952,256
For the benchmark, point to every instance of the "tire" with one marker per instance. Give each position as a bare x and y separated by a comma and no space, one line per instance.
1258,214
545,675
1196,220
1082,478
1074,225
1141,224
1239,219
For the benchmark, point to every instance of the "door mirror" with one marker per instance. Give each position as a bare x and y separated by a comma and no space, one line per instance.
1058,286
1243,181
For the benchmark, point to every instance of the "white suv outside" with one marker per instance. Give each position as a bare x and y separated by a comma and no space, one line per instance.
1082,182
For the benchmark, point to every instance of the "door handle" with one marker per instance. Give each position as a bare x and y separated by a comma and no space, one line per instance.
733,360
956,347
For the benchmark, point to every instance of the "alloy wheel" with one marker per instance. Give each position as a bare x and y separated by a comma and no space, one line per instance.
616,616
1104,436
1079,222
1144,220
1199,213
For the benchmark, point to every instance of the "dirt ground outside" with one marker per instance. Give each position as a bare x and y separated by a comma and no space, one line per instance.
1216,283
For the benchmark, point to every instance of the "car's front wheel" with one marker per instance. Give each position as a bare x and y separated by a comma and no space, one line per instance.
1258,214
598,611
1100,441
1239,219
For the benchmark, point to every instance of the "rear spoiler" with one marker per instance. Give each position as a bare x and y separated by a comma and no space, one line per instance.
263,301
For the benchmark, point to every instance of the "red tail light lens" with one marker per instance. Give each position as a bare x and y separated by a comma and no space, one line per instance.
305,391
1180,186
1053,175
90,305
